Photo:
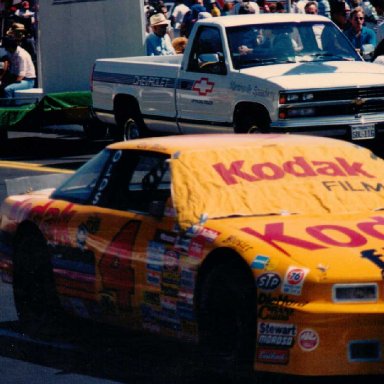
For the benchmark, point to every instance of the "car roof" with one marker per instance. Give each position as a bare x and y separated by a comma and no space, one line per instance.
172,144
238,20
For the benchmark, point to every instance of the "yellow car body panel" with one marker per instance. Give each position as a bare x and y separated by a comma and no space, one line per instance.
308,223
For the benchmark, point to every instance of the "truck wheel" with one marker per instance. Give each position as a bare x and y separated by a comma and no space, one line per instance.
129,130
255,122
34,291
227,321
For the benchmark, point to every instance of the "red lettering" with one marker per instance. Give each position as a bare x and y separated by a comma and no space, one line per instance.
234,170
354,239
353,169
274,233
276,171
329,169
369,228
299,167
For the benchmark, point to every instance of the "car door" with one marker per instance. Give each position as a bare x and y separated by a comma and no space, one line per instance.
138,267
203,94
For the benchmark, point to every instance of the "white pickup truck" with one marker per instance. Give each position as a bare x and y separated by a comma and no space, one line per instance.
265,73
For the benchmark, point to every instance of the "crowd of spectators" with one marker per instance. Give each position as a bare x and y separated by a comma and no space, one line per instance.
362,21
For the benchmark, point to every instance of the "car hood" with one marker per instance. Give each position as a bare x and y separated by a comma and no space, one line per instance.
330,74
344,247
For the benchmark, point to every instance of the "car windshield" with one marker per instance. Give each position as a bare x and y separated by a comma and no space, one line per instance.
266,44
79,187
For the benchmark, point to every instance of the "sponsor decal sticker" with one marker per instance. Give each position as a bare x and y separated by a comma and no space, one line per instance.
260,262
276,334
294,280
272,355
308,340
203,86
268,281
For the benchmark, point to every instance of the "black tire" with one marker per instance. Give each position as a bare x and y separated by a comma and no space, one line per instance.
251,120
227,321
36,300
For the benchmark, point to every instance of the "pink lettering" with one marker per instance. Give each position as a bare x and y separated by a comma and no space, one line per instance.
234,170
261,171
353,169
369,228
274,233
354,239
299,167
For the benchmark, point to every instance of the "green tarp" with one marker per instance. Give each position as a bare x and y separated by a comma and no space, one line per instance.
64,106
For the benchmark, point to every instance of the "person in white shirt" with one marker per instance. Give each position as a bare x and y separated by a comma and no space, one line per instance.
251,4
21,72
177,16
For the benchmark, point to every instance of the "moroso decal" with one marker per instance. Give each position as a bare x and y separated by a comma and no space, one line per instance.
298,167
276,334
115,264
325,235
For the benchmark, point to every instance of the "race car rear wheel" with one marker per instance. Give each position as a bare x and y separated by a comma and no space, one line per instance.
35,296
227,321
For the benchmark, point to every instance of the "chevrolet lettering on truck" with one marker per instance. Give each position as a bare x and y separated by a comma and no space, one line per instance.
246,73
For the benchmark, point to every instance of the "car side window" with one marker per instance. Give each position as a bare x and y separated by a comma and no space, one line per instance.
138,182
207,52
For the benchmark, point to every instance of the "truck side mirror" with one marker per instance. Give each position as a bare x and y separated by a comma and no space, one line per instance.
212,63
367,51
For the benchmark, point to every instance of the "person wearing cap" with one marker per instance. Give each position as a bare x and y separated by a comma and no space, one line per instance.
158,42
21,73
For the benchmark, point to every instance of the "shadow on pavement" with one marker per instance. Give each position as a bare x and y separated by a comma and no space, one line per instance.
109,353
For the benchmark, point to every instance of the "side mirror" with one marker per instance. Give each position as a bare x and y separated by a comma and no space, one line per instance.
212,63
367,51
208,59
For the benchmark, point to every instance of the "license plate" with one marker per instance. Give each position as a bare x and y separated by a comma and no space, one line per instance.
363,132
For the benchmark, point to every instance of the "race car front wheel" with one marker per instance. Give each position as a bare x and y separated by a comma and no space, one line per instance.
227,324
36,301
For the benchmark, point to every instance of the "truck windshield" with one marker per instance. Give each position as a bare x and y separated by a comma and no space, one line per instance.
266,44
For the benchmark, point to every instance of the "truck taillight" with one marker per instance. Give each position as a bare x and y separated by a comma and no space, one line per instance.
283,99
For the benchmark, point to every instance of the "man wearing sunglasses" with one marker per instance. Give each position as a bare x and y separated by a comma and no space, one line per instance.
357,33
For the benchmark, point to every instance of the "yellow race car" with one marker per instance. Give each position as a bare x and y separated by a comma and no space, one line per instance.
265,249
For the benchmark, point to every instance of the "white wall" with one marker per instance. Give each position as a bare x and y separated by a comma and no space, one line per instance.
73,33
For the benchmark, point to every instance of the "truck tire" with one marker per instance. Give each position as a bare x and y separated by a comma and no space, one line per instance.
251,119
227,321
36,300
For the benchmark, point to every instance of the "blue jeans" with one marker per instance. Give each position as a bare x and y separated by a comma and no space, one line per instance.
9,90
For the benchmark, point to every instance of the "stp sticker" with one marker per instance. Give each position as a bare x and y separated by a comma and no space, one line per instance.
268,281
294,280
308,340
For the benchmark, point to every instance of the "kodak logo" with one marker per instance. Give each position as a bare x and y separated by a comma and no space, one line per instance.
298,167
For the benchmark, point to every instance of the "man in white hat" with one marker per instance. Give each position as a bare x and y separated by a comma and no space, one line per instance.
158,42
